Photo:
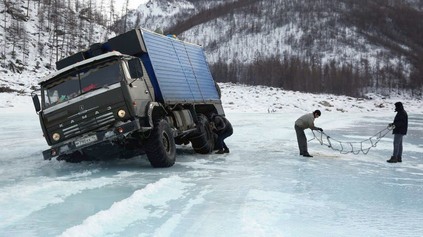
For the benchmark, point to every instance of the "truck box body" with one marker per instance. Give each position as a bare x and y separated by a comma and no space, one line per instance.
180,69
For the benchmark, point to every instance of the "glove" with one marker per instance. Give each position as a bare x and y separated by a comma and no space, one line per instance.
390,125
320,129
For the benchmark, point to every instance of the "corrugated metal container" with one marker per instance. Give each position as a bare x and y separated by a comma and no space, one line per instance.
180,70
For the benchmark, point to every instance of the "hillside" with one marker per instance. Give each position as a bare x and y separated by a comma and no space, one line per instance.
344,47
35,34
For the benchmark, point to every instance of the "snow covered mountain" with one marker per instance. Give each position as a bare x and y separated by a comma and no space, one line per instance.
375,43
35,34
342,46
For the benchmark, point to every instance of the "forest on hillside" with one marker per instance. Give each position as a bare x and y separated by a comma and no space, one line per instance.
396,26
59,28
48,30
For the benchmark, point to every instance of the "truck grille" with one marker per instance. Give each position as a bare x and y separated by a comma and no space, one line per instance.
89,124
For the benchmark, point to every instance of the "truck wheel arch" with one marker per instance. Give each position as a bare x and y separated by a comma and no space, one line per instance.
155,112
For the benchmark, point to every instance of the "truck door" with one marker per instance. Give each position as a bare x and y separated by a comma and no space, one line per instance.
139,86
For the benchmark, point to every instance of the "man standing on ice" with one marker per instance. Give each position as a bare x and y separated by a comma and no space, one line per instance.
400,125
304,122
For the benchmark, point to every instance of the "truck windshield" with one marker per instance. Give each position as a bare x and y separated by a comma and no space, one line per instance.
81,81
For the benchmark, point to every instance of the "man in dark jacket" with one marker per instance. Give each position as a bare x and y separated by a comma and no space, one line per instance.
400,126
223,129
302,123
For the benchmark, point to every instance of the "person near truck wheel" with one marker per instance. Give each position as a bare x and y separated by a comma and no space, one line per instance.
400,127
223,128
302,123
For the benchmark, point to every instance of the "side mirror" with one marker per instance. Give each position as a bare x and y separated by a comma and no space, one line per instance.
135,68
36,102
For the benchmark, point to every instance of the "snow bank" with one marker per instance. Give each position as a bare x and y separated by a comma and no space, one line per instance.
262,99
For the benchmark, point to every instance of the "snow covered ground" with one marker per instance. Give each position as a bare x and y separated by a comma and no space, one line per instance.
262,188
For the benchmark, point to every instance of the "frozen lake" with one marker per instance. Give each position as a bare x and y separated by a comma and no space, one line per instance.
262,188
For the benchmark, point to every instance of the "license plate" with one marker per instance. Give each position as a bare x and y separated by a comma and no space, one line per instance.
85,140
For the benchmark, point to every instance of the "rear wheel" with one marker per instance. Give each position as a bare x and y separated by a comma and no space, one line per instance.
160,146
203,139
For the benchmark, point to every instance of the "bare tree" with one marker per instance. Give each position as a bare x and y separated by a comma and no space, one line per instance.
111,20
126,15
91,21
3,56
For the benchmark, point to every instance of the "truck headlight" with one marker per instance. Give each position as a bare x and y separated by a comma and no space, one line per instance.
121,113
56,136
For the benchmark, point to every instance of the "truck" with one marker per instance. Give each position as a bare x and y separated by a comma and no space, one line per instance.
137,93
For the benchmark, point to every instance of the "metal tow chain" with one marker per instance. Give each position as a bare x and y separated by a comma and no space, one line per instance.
351,147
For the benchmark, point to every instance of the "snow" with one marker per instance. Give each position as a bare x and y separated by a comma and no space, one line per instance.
262,188
131,4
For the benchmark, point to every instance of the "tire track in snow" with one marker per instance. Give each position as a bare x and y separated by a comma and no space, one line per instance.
24,199
135,208
172,223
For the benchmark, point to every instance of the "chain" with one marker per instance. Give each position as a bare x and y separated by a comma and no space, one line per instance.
350,147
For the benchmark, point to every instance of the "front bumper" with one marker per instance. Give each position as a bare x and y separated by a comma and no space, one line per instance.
117,133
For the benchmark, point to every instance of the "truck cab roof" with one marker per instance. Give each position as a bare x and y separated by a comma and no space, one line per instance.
81,63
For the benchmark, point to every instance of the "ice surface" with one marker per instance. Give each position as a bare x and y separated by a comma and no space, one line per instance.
262,188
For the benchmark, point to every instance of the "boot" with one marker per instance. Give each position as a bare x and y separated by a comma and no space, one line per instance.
399,159
392,160
226,150
307,155
220,151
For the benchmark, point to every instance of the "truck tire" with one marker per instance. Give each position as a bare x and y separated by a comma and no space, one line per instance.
160,146
75,157
203,139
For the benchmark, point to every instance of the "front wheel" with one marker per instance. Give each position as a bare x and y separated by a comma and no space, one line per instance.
160,146
75,157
